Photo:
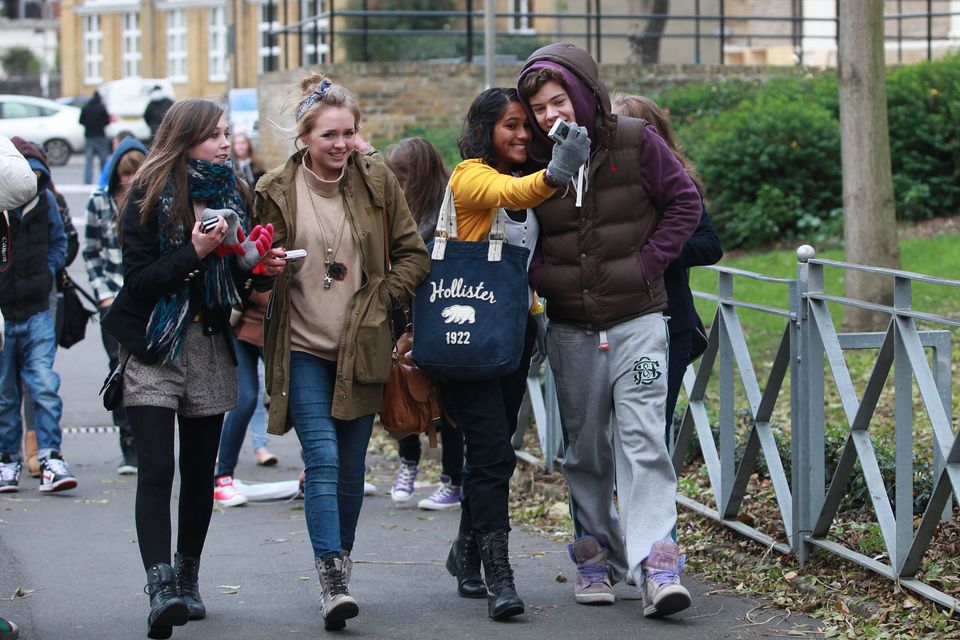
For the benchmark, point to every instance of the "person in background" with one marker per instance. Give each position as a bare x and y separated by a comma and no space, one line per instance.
36,251
156,109
94,119
248,345
423,178
171,317
104,262
701,249
17,185
327,340
607,342
37,158
114,143
245,159
494,143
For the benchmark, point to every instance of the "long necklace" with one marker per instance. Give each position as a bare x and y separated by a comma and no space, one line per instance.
334,270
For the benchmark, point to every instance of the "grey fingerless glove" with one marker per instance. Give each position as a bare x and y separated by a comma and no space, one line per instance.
230,217
569,155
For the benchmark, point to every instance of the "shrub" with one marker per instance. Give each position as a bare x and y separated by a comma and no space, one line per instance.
767,164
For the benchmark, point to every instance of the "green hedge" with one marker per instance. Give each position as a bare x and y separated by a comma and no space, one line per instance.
770,153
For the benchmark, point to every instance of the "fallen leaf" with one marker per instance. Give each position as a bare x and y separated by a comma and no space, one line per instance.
228,589
21,592
561,578
304,577
388,525
789,576
91,501
426,518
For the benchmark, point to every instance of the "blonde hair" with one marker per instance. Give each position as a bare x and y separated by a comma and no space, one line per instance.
632,106
314,97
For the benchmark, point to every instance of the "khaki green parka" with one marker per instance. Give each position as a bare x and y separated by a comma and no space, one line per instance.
363,365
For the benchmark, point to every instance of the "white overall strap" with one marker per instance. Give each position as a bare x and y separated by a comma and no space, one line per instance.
446,220
497,234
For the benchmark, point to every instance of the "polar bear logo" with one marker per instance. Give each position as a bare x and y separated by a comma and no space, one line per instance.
459,314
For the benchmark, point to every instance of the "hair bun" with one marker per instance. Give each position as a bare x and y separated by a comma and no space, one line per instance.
311,83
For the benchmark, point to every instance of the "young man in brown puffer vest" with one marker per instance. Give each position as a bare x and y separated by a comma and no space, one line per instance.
599,265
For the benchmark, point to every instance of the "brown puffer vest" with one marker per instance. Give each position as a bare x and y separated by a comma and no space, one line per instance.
591,274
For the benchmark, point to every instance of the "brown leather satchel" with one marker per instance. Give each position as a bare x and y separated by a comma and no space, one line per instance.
411,401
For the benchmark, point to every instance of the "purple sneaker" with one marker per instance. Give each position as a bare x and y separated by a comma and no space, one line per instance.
593,582
402,489
445,498
663,594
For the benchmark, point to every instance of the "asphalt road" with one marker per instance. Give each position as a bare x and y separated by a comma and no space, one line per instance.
73,557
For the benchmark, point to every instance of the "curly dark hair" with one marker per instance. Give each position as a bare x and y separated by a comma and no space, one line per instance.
476,140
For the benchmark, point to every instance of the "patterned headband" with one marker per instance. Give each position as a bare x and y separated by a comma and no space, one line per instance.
314,98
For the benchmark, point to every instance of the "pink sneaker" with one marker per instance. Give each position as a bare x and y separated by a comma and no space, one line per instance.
225,494
663,594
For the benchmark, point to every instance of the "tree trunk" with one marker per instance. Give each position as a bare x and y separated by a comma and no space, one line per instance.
869,214
645,43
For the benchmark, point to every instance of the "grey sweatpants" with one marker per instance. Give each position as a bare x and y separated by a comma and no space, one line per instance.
611,409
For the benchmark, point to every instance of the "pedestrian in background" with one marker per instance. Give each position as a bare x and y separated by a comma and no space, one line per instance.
327,338
423,179
94,118
171,317
156,109
104,262
245,159
36,248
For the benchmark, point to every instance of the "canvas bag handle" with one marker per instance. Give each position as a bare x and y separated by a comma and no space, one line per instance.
447,229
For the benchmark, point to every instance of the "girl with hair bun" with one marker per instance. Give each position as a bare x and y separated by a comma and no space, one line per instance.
327,339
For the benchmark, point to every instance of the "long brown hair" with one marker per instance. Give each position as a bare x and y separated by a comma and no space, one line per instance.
422,176
186,124
625,104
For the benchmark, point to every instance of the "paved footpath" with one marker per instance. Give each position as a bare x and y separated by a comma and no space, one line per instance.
75,555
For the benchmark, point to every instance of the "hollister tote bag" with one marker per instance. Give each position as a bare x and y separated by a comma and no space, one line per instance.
470,313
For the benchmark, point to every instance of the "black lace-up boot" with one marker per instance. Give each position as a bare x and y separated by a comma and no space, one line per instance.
502,599
187,571
463,563
167,608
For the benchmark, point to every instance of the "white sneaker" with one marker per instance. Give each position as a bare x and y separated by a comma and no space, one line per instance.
369,488
225,494
55,475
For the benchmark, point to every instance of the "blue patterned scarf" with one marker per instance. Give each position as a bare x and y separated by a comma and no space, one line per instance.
216,185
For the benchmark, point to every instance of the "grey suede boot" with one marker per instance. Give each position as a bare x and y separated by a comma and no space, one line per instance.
337,605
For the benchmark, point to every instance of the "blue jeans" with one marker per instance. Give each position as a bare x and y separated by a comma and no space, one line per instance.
94,146
27,357
333,454
248,403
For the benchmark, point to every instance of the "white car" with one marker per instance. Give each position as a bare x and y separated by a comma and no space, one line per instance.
51,124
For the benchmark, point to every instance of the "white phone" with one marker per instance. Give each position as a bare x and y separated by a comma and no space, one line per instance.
294,254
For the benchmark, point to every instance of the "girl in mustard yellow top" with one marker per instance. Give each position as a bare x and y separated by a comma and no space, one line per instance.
494,144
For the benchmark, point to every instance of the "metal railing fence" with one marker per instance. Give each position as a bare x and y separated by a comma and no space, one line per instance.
704,28
810,345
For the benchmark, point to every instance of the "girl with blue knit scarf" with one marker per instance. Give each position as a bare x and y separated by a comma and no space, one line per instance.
188,257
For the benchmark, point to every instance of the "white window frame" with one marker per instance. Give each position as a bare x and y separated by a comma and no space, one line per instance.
309,54
521,23
217,44
177,46
92,50
130,45
263,51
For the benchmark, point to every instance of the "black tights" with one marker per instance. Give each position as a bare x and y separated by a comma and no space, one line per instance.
199,441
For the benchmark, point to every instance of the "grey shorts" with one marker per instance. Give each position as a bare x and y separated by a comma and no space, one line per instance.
201,382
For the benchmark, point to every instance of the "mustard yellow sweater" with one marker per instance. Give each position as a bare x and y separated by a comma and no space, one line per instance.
479,190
